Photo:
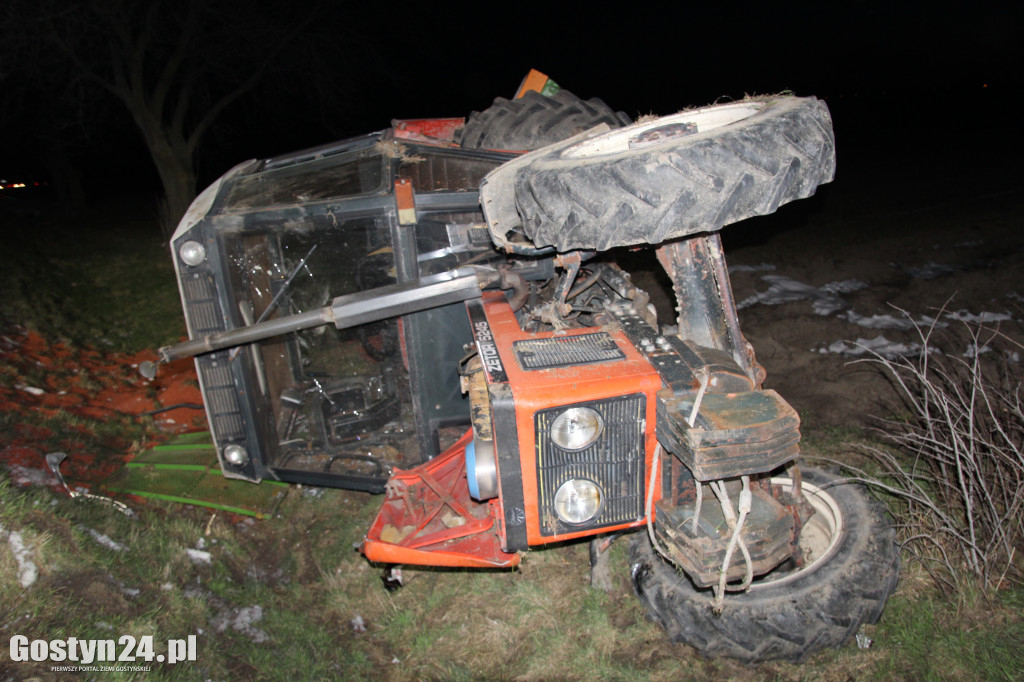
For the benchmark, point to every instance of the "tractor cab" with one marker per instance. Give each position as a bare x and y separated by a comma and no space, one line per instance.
281,236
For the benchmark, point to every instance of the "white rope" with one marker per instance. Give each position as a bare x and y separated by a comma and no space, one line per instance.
705,378
700,501
736,525
650,504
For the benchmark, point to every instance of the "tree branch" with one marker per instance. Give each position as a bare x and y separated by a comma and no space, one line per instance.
177,58
211,115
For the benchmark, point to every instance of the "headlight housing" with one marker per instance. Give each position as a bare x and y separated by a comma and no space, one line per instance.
192,253
578,500
576,428
236,455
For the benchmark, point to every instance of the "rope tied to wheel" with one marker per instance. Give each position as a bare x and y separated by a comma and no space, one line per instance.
736,525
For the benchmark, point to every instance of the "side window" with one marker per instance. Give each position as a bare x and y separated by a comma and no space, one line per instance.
435,171
332,177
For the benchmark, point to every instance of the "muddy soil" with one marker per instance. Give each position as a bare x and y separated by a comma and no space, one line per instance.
823,280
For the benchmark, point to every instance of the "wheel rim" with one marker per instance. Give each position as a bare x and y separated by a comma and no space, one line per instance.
670,128
819,538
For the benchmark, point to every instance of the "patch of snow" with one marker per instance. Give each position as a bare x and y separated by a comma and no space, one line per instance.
825,300
242,621
30,389
763,267
932,270
198,556
105,540
845,286
878,345
891,321
983,318
28,572
973,351
23,476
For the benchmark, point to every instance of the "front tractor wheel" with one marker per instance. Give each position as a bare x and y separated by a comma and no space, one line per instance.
850,567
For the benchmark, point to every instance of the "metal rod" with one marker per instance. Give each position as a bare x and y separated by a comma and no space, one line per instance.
345,311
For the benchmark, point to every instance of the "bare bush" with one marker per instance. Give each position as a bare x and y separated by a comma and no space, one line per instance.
957,465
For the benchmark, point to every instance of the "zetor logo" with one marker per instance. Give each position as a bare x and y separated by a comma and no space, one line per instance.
126,649
488,351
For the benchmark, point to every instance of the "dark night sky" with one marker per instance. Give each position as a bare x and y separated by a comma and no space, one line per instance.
661,59
903,69
914,72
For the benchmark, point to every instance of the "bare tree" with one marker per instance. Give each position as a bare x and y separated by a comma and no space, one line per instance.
176,67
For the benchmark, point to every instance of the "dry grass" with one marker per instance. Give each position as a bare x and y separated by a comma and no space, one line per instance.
954,457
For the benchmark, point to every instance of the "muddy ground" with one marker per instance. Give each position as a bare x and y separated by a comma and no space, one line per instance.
824,280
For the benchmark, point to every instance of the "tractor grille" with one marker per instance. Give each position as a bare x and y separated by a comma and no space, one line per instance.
563,351
221,397
615,462
201,301
219,391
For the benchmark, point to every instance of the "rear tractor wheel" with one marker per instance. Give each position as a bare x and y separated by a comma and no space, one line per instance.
850,567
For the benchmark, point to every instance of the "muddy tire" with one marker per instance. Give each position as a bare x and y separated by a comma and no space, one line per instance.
790,615
534,120
670,177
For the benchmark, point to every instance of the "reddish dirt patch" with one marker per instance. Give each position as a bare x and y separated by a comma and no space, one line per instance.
93,405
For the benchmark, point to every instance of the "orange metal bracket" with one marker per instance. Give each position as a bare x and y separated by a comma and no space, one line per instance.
429,519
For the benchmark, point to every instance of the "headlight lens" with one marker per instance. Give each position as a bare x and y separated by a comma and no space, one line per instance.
578,500
576,428
192,253
235,455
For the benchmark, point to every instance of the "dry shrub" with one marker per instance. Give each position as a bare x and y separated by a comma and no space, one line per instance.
957,458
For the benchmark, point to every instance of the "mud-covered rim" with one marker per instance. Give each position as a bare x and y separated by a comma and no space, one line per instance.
666,128
819,538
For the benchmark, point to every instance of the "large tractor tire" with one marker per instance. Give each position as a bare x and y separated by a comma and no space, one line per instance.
666,178
534,120
851,567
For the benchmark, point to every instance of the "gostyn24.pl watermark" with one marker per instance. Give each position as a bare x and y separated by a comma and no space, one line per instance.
125,650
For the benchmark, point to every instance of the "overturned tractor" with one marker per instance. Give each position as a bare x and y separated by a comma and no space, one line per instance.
424,314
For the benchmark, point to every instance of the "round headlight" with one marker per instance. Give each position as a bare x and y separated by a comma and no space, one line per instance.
577,501
235,455
192,253
576,428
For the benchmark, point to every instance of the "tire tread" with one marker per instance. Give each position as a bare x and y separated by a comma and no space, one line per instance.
737,174
534,120
824,611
